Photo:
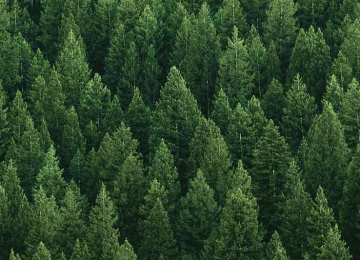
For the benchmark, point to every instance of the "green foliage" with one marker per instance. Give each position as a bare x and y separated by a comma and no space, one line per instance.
334,93
198,215
298,113
274,101
127,251
342,70
41,253
275,249
221,113
80,252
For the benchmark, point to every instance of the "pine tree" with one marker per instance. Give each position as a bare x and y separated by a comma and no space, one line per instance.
298,113
257,58
274,101
311,14
255,11
102,221
73,69
45,138
295,210
158,241
235,76
231,14
129,190
5,222
324,166
275,249
239,234
41,253
113,152
127,251
221,113
44,223
349,203
138,118
280,27
14,256
68,24
113,117
50,176
4,130
198,215
273,68
162,169
175,118
271,159
334,247
348,114
80,252
72,226
72,139
334,93
311,59
342,70
200,64
38,66
320,221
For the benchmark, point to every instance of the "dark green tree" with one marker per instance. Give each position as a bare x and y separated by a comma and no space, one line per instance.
113,117
334,93
342,70
298,113
4,130
273,101
221,112
5,222
275,249
311,14
127,251
80,252
41,253
273,68
235,76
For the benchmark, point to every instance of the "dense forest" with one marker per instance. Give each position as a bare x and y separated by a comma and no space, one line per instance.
186,130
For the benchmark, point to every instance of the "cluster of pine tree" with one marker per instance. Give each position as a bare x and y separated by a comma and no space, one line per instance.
188,130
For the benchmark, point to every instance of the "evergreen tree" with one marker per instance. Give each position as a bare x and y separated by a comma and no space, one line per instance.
257,59
14,256
41,253
129,190
275,249
255,11
271,159
113,117
334,247
274,101
221,113
298,113
320,221
334,93
4,226
138,118
158,242
342,70
113,152
162,169
44,223
102,221
127,251
50,176
324,166
235,76
273,68
45,138
239,234
231,14
198,215
280,27
311,14
349,203
295,211
73,69
4,130
348,114
80,252
175,118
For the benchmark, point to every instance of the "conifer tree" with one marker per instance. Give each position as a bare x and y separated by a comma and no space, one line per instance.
273,101
158,241
138,117
113,152
334,247
127,251
80,252
38,66
239,234
342,70
113,117
102,221
198,215
275,249
349,203
73,69
348,114
4,130
257,59
255,11
326,167
280,27
5,222
295,210
298,113
44,223
311,14
163,170
334,93
129,190
50,176
221,113
235,76
72,226
14,256
68,24
45,138
41,253
273,68
271,160
320,221
174,119
231,14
